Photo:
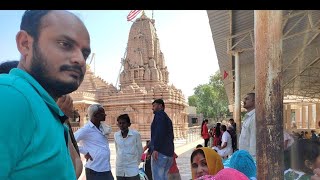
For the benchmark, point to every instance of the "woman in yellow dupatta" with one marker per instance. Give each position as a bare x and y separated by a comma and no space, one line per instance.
205,161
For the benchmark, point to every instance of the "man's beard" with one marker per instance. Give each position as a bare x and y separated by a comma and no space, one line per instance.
39,70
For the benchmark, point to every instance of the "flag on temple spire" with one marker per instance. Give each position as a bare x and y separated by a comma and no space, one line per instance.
225,74
133,14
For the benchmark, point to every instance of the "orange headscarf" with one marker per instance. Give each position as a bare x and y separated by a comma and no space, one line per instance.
214,161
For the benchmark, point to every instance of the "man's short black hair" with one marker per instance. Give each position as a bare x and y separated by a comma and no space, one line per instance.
124,117
223,127
7,66
31,22
159,101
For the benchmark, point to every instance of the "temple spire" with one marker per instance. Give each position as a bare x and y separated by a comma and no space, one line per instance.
143,14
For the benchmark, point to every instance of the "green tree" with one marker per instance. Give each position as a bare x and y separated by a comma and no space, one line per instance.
192,100
211,99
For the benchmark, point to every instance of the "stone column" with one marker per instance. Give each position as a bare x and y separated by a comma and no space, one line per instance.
298,117
237,95
82,109
269,93
287,115
317,118
310,117
284,116
304,120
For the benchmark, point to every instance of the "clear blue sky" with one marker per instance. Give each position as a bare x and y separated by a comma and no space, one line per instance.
185,40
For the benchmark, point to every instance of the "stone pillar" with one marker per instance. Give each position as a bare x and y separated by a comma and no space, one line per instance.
82,110
304,119
317,118
310,116
269,93
298,117
284,116
287,114
237,95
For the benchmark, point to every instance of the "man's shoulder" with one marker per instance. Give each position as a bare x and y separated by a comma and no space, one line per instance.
13,80
251,112
158,115
88,126
160,112
85,127
225,133
13,83
16,106
117,133
134,132
228,134
163,114
13,90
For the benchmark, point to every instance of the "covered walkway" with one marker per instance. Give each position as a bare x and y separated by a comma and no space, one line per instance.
276,55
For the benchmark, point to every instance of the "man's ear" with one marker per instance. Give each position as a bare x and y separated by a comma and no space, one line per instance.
24,44
308,164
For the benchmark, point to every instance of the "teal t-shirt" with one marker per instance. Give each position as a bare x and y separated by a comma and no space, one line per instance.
32,142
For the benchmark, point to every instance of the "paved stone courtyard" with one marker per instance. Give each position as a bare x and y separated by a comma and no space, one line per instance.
184,165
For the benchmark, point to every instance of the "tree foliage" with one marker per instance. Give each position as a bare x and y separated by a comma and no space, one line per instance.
211,99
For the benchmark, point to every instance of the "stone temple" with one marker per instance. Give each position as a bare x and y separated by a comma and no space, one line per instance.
144,78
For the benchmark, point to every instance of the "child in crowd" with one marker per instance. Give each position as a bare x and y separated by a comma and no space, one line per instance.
174,173
304,157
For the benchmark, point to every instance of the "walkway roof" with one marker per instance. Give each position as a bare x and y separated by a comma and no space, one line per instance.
233,31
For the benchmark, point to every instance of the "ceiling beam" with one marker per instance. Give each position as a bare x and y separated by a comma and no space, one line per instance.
302,71
295,24
301,50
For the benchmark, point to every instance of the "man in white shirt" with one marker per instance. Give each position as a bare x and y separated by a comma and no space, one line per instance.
93,139
129,150
225,149
288,139
247,139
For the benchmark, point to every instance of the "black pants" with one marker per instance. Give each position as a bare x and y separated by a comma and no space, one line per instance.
206,142
234,143
137,177
147,168
94,175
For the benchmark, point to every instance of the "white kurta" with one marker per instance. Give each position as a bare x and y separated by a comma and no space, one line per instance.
247,139
129,151
226,138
